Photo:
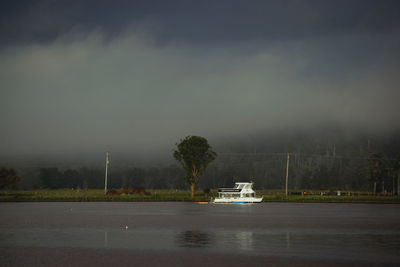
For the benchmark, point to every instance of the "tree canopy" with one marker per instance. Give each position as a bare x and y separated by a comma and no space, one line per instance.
194,154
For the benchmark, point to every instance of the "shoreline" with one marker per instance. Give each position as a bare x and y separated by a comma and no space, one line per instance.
97,195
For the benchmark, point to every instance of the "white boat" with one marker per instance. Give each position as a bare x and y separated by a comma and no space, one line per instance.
241,193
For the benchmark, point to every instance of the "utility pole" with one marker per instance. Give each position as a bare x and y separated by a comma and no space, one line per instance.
287,172
105,182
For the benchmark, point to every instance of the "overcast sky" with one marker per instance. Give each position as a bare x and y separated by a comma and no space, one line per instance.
125,75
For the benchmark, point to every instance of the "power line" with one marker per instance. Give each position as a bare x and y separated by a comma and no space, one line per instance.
298,154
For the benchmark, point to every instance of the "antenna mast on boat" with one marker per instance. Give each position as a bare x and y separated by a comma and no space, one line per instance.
105,182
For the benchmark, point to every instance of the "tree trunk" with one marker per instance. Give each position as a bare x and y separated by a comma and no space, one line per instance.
194,176
192,190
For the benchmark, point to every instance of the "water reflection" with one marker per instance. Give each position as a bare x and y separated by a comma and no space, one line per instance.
194,239
287,240
244,240
325,243
105,239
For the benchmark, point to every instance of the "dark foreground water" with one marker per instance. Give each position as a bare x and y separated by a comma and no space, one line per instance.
189,234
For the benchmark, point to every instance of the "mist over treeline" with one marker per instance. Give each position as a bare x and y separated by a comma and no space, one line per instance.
329,158
318,79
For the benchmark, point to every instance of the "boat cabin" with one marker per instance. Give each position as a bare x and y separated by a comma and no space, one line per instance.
240,190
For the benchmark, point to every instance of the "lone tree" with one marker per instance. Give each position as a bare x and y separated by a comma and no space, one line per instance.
8,177
194,154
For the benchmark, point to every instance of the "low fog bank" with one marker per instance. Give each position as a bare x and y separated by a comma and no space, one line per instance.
324,141
316,141
82,93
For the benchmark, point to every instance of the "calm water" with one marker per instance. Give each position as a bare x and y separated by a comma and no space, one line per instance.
276,232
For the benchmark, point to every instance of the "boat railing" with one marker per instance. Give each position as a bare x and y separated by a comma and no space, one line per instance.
228,190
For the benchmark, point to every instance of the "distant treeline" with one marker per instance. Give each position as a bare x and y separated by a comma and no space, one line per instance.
170,177
266,170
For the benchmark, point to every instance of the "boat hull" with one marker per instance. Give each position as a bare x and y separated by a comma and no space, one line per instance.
238,200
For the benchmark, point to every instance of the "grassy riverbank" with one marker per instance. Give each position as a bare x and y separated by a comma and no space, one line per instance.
96,195
180,195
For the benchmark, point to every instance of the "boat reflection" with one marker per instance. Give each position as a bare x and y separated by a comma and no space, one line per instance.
244,240
193,239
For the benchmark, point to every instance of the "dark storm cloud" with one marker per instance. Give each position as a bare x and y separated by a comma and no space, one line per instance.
144,74
199,21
